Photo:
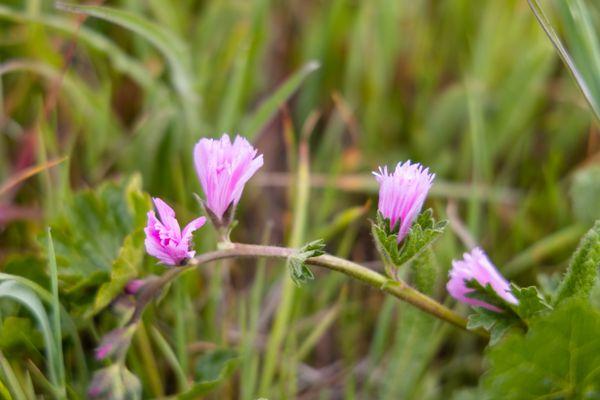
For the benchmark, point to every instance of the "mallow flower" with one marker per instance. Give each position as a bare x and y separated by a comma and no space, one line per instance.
476,265
164,238
223,169
402,194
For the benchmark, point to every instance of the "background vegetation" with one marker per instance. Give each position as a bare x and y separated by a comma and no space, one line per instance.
101,106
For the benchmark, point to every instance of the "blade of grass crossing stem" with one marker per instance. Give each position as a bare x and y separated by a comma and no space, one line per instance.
284,311
55,315
269,107
546,25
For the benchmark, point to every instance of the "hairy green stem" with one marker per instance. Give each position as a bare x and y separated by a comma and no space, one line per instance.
239,250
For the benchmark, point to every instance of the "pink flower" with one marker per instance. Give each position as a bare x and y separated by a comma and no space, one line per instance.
402,194
164,238
133,286
223,169
476,265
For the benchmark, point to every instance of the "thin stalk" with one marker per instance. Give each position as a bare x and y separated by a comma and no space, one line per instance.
399,290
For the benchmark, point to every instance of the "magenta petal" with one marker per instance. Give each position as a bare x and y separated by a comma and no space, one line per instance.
164,239
166,214
223,169
402,194
475,265
192,227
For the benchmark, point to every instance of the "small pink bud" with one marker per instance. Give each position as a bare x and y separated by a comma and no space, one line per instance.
134,286
165,240
115,343
402,194
475,265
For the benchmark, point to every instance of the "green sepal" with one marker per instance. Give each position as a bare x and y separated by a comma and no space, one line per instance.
299,271
422,234
531,304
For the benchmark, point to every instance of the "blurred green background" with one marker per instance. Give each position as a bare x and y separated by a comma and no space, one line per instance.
474,90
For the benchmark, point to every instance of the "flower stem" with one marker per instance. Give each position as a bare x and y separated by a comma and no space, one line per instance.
400,290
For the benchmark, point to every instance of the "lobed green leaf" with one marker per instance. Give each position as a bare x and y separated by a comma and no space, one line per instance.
557,358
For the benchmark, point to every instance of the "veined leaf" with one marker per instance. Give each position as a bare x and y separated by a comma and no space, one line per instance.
558,358
95,242
124,269
531,304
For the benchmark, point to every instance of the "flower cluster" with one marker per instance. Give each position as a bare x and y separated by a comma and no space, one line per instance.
223,169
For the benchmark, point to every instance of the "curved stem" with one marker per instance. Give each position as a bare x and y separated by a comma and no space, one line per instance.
400,290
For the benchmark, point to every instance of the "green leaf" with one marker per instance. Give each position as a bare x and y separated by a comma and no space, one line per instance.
422,234
424,272
424,231
531,302
95,242
582,272
211,370
124,269
558,358
497,324
299,271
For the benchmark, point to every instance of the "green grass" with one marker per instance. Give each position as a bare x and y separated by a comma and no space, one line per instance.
474,90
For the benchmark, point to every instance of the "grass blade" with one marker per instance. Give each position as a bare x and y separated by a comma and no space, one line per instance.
546,25
269,107
55,315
